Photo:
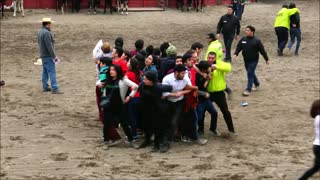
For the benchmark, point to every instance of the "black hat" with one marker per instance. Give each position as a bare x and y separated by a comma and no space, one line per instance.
151,76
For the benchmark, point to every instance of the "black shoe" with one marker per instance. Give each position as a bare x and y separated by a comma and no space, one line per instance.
46,90
164,148
155,149
279,52
144,144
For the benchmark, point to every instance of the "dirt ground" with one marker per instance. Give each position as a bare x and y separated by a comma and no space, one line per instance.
45,136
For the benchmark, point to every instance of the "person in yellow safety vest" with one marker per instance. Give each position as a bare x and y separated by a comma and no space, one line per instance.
216,86
282,25
214,46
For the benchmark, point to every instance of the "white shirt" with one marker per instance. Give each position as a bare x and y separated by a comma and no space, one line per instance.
317,130
177,85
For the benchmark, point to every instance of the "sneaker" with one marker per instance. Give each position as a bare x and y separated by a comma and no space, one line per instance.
185,139
201,141
216,133
133,145
155,149
164,148
279,52
121,13
57,92
255,88
144,144
127,13
46,90
94,12
114,142
233,132
246,93
88,12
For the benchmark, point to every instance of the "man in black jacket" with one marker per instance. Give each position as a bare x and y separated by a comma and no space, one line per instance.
229,25
250,47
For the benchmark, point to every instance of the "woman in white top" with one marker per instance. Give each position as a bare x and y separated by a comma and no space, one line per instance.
315,113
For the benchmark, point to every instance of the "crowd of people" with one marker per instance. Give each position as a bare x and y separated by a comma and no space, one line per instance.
163,95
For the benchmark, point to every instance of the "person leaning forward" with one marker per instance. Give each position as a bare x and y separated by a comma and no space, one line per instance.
47,54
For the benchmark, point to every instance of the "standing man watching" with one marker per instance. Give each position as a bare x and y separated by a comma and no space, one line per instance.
282,25
228,25
46,47
250,47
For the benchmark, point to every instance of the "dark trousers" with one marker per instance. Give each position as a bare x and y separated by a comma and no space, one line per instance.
134,115
109,3
174,119
282,35
220,99
251,74
228,38
316,166
76,5
203,106
153,123
98,99
109,121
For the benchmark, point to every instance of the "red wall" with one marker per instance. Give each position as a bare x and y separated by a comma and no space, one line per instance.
33,4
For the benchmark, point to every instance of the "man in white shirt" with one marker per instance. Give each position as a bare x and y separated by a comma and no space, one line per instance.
181,85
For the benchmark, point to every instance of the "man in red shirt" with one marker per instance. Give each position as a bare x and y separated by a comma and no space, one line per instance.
116,59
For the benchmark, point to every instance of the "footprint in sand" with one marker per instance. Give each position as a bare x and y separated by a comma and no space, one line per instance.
203,166
88,164
53,136
59,156
16,138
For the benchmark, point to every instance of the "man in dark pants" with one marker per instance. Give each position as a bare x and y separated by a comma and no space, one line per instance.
282,25
228,25
250,47
216,86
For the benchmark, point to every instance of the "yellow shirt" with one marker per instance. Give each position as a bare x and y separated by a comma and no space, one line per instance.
283,17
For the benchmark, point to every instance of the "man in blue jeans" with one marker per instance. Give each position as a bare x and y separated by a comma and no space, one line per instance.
46,48
250,47
295,31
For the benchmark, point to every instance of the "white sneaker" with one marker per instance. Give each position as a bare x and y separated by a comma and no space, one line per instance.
121,13
255,88
217,133
246,93
127,13
201,141
185,139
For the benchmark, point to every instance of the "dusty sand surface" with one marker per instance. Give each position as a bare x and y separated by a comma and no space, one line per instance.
45,136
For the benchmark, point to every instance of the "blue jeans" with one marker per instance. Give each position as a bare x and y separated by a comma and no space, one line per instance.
134,115
228,38
295,33
202,107
251,74
49,71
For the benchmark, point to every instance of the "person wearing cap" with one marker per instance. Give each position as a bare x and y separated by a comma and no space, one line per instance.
250,47
282,25
228,25
168,62
48,56
153,110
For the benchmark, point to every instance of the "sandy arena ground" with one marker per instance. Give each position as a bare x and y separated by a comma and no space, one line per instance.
45,136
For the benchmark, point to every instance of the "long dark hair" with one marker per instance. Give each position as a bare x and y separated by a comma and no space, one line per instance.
118,71
135,67
315,108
